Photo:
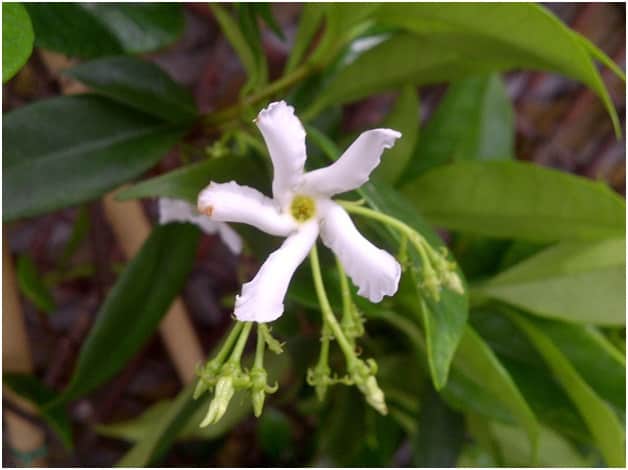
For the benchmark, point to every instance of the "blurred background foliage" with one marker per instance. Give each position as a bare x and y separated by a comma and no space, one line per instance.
513,149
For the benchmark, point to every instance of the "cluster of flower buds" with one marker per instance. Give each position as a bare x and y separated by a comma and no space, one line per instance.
225,375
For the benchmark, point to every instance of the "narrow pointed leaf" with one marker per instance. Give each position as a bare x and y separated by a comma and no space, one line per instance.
132,311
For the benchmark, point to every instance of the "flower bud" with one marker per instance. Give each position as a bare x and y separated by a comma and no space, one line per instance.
220,402
453,282
374,395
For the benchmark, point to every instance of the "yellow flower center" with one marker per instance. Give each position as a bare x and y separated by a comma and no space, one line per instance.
302,208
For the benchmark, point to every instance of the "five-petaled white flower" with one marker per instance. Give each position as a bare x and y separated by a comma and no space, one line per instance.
302,208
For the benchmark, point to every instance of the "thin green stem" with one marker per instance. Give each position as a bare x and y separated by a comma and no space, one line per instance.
259,348
328,314
345,293
228,343
216,119
236,355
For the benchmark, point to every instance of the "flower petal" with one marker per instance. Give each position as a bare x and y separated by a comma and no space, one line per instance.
178,210
373,270
262,298
354,166
285,138
230,202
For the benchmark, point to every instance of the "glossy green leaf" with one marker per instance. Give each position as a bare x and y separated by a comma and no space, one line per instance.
517,200
89,30
33,390
404,117
444,321
440,434
599,55
186,182
32,285
17,39
71,149
608,432
475,359
474,121
575,281
533,378
446,44
132,311
138,84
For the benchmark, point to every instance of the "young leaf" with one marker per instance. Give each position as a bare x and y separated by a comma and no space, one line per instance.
135,305
474,121
138,84
89,30
33,390
17,39
67,150
32,286
604,425
574,281
404,117
517,200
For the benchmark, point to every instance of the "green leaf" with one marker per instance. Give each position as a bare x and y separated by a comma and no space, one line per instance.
32,286
67,150
474,121
517,200
33,390
604,425
446,44
89,30
138,84
309,22
574,281
186,182
599,55
440,434
593,356
17,39
475,359
404,117
135,305
553,451
239,42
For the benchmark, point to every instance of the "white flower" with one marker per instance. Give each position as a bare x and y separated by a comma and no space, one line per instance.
302,208
178,210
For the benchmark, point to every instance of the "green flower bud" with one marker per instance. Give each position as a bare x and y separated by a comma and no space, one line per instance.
453,282
220,402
